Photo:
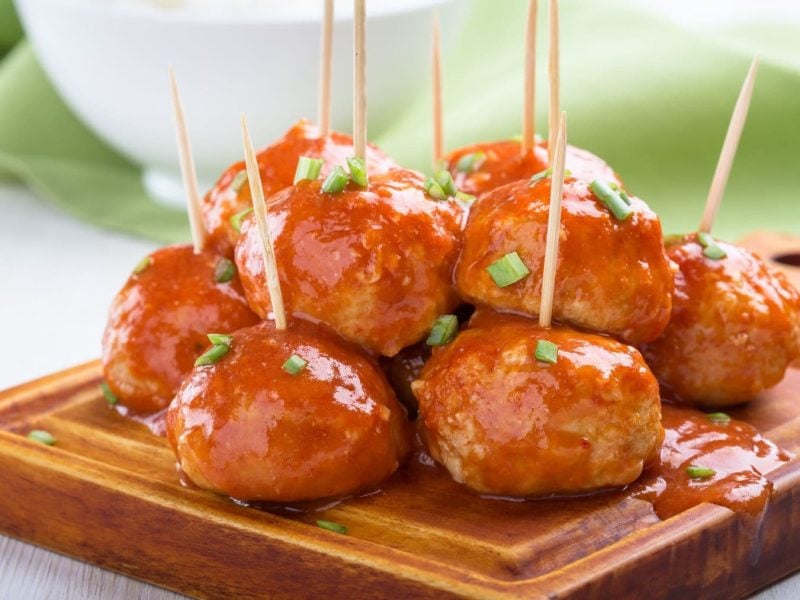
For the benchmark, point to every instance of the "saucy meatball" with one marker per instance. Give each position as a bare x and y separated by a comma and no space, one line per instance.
375,265
251,428
735,325
158,323
480,168
231,194
613,275
503,422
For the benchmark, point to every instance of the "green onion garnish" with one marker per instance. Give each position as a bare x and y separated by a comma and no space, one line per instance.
331,526
142,265
696,472
41,436
358,171
507,270
470,162
238,181
711,249
434,190
612,200
294,364
236,220
541,175
212,355
613,186
720,418
336,181
110,396
220,338
443,330
546,352
307,168
464,197
445,181
224,271
625,198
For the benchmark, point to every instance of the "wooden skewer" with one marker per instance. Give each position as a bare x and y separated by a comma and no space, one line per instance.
555,82
260,210
436,82
188,171
553,225
326,53
529,107
725,162
360,78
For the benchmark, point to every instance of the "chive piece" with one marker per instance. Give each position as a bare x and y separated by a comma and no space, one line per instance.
625,198
358,171
470,162
224,271
336,181
236,220
719,418
142,265
220,338
434,190
672,239
41,436
331,526
613,186
110,396
464,197
443,331
238,181
445,181
212,355
612,200
711,249
696,472
307,168
507,270
541,175
546,352
294,364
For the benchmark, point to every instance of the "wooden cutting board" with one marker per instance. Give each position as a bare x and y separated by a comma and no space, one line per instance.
108,493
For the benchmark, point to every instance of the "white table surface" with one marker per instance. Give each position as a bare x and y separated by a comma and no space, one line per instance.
57,277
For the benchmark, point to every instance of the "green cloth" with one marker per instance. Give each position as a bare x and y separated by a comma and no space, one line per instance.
653,98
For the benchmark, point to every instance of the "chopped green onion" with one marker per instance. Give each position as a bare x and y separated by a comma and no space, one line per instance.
443,331
307,168
567,173
224,271
142,265
294,364
331,526
696,472
336,181
673,239
238,181
434,190
236,220
711,249
541,175
625,198
464,197
445,181
613,186
720,418
612,200
220,338
358,171
546,352
507,270
110,396
212,355
470,162
41,436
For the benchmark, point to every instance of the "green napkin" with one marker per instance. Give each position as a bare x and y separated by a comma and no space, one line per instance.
653,98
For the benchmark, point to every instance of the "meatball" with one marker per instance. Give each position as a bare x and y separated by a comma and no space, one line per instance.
735,326
375,265
158,323
277,163
480,168
503,422
248,428
613,275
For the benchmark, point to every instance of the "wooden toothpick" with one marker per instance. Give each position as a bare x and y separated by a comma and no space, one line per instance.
260,210
360,78
326,53
729,147
555,82
529,103
436,83
188,171
553,225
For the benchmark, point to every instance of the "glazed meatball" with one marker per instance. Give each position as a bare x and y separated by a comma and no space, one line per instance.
277,163
158,323
503,422
735,326
375,265
480,168
248,428
613,275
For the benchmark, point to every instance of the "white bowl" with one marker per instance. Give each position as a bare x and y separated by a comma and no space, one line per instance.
108,60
